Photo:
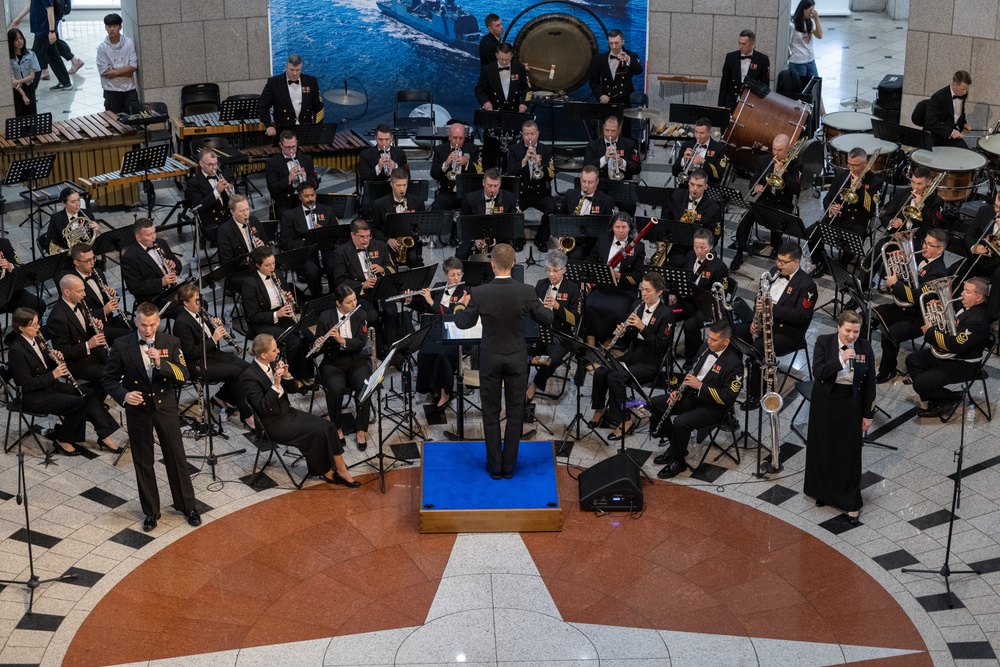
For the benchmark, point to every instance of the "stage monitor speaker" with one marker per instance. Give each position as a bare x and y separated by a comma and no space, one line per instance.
611,486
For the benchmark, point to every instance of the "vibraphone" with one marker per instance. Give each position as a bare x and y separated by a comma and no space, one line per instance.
208,125
83,146
341,154
176,166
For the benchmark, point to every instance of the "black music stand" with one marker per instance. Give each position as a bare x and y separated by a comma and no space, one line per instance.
27,127
750,356
328,238
30,170
115,240
671,233
690,113
655,198
424,223
593,115
309,134
841,239
597,274
504,227
499,122
579,227
241,110
724,196
37,273
902,135
615,365
583,354
467,183
777,222
221,275
293,260
846,287
145,160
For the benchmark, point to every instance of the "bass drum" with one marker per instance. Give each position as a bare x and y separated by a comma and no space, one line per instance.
557,49
841,145
756,122
962,167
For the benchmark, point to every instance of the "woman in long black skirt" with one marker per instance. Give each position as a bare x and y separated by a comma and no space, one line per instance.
840,412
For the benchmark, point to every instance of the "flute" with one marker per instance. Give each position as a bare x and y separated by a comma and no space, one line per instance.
439,288
321,341
57,357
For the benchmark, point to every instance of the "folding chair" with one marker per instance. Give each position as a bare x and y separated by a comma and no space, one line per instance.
263,441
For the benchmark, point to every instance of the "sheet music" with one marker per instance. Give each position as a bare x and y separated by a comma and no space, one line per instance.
452,332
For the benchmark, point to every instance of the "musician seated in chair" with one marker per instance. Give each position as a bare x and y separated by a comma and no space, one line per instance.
792,295
706,270
607,305
294,225
286,171
704,398
703,152
21,298
149,267
562,297
209,188
265,389
77,334
535,168
456,156
616,156
100,297
492,199
951,358
901,321
585,200
71,225
376,163
648,332
398,201
984,243
692,205
199,332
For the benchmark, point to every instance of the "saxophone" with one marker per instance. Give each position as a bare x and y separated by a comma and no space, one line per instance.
405,243
771,401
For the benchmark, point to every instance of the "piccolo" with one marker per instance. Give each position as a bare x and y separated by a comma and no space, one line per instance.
47,349
439,288
321,341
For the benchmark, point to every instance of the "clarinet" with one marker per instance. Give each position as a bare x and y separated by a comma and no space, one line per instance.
98,327
112,295
284,302
215,321
620,330
51,354
671,402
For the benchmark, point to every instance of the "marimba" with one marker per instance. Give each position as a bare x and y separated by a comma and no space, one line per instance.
83,146
177,166
341,154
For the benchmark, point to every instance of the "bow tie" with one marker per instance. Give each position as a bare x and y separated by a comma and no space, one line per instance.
400,203
612,57
618,243
587,197
649,312
293,83
742,57
504,69
693,201
959,97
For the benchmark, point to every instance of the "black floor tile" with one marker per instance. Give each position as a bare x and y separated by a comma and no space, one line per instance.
102,497
5,496
972,651
708,472
43,622
977,467
931,520
787,450
869,478
778,494
37,539
838,524
88,454
939,602
986,566
132,538
262,483
83,577
896,559
564,448
203,508
406,450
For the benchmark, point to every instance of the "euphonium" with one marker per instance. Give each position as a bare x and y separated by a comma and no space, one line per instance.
776,179
936,306
771,401
914,212
899,257
850,195
615,172
405,243
567,243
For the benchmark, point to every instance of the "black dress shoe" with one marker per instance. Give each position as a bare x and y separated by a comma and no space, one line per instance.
750,404
362,446
507,475
495,475
948,410
337,479
820,503
193,518
933,409
618,436
672,469
887,376
737,262
149,522
57,449
661,459
854,520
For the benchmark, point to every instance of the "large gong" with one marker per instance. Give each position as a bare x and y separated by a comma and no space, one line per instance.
556,40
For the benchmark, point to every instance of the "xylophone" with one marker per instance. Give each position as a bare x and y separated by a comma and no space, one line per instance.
177,166
341,154
208,124
83,146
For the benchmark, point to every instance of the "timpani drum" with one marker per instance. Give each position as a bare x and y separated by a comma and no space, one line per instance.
846,122
841,145
990,147
962,169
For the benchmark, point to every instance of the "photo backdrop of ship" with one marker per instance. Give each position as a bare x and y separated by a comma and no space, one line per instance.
392,49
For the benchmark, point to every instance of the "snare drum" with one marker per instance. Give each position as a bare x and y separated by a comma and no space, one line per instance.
961,166
846,122
841,145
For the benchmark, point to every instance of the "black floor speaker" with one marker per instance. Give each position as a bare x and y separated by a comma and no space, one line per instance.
611,485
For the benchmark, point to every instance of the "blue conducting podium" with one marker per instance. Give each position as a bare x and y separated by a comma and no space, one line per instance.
458,496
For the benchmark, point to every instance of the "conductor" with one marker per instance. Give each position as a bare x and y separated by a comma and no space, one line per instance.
502,305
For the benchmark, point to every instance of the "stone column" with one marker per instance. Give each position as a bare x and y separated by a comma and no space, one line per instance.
691,38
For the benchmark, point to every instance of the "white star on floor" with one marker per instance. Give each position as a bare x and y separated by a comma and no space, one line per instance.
492,608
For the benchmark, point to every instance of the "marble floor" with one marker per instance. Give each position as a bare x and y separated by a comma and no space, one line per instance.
721,567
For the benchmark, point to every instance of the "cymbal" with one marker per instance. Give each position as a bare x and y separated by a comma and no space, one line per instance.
345,98
855,103
642,114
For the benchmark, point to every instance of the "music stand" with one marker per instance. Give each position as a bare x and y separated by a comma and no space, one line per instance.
902,135
115,240
499,121
241,109
37,273
424,223
750,356
395,284
29,170
221,275
724,196
654,197
841,239
504,227
583,354
293,259
145,160
327,238
690,113
593,114
670,232
594,273
616,366
452,335
579,227
309,134
777,222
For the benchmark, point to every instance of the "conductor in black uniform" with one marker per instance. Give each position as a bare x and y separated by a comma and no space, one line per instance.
695,207
397,201
491,40
147,273
782,199
707,392
535,168
294,225
502,305
702,152
945,116
142,373
285,171
294,97
742,65
612,72
208,190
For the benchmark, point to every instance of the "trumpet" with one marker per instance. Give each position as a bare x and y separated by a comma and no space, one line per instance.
900,258
112,295
936,307
620,329
58,358
299,177
321,341
535,162
682,178
914,212
405,243
455,168
16,262
228,187
615,172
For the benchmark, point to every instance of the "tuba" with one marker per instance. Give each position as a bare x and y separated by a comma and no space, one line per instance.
936,306
900,258
771,401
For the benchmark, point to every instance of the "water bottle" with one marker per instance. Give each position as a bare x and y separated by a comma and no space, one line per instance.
970,414
222,415
229,319
193,269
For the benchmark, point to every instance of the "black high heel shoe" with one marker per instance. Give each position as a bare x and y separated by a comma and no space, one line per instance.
101,445
629,431
57,449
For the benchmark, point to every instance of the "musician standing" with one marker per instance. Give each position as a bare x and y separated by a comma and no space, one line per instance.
841,410
535,168
647,332
901,321
491,40
492,199
782,199
611,150
208,189
706,394
376,163
457,156
102,301
266,391
37,375
793,295
294,97
199,336
117,62
951,359
503,86
71,218
269,308
502,305
294,225
706,269
397,201
692,205
703,152
345,360
945,116
71,329
149,267
611,73
563,298
744,64
285,172
607,305
985,262
142,373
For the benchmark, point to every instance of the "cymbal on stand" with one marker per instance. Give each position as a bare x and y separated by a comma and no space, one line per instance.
642,114
855,104
345,98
